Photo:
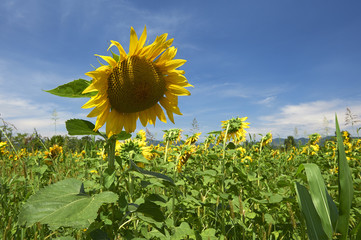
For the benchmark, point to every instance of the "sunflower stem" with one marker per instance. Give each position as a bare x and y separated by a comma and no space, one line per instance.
111,152
223,178
166,151
174,192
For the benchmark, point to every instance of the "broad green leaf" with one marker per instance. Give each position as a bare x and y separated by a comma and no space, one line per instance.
345,187
72,89
80,127
64,238
123,135
209,234
313,221
269,219
319,196
275,198
152,174
98,234
108,178
63,204
151,210
183,231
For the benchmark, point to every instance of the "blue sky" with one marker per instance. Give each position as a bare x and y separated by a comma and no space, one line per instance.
285,64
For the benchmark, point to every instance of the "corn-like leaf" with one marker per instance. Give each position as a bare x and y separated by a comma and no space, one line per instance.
319,197
313,221
345,187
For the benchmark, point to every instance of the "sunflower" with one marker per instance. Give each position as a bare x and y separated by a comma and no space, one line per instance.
192,139
236,129
124,149
137,84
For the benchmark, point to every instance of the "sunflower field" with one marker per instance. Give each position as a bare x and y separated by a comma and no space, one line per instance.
221,188
110,185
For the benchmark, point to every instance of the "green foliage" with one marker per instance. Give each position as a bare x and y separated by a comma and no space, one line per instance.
63,204
289,142
72,89
80,127
318,208
345,186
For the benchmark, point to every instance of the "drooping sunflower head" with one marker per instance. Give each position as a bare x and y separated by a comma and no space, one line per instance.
172,135
314,138
123,149
236,128
141,135
266,139
192,139
135,85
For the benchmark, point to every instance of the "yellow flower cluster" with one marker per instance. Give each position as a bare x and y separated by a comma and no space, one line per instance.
312,147
3,150
186,153
54,152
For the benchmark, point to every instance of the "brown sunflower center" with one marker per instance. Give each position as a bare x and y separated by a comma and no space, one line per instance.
134,85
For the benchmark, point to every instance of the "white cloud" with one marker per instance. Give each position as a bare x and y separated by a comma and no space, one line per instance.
308,117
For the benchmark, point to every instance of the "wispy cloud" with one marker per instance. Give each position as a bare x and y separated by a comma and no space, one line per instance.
308,117
267,100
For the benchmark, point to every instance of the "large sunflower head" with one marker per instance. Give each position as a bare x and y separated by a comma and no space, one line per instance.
137,84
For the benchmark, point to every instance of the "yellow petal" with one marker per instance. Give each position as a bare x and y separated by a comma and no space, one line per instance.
168,55
99,109
122,53
159,111
94,101
133,41
177,79
177,90
108,59
130,122
114,123
101,72
142,40
143,118
173,64
101,119
90,88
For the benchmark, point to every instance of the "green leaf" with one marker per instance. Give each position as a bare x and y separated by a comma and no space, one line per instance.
313,221
319,197
183,231
72,89
64,238
269,219
63,205
123,135
160,176
80,127
209,234
152,210
345,188
108,178
275,198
